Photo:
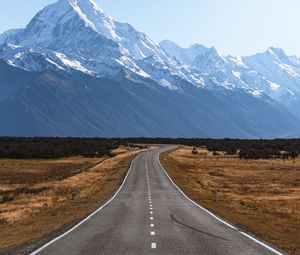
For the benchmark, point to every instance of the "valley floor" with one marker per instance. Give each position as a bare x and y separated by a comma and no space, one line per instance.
260,196
39,197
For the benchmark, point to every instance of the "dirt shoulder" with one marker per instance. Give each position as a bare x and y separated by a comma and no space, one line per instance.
260,196
45,196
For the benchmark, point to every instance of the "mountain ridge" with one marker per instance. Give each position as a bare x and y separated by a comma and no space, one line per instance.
214,95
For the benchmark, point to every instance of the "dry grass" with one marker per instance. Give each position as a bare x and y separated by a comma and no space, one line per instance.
261,196
44,195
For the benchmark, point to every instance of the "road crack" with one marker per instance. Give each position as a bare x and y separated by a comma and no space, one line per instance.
197,230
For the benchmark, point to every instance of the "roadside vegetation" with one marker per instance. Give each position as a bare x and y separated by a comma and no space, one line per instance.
51,148
246,149
39,197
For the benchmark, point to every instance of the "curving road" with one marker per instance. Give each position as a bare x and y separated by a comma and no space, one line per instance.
149,215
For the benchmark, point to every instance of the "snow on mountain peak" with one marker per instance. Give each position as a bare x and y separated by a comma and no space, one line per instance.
94,17
276,51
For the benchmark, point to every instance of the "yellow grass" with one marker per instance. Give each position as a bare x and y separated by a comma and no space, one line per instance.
261,196
49,194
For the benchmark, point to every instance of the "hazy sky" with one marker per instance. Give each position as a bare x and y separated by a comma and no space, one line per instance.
237,27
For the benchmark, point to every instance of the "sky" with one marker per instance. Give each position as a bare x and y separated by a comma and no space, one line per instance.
236,27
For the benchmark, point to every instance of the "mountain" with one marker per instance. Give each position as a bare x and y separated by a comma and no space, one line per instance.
186,56
272,73
74,71
283,75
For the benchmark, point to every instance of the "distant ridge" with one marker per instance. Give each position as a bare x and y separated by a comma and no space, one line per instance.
74,71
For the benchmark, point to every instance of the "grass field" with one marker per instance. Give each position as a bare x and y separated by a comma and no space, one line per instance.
260,196
38,197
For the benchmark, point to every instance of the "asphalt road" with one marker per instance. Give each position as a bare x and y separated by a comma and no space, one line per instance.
149,215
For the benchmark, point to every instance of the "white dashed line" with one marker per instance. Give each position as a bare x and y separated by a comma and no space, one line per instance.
152,233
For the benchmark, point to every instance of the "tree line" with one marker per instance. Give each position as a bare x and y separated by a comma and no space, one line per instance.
55,147
49,148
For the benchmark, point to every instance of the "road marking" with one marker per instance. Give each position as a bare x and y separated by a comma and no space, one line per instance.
214,216
153,245
261,243
90,216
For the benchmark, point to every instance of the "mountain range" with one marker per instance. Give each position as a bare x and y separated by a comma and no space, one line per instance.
74,71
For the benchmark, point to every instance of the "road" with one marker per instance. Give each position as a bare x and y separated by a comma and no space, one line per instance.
149,215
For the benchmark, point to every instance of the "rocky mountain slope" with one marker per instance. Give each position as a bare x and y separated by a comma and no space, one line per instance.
74,71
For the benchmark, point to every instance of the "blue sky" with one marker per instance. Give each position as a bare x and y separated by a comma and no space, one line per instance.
237,27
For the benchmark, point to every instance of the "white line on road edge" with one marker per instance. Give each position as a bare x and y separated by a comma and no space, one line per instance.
90,216
152,233
261,243
213,215
153,245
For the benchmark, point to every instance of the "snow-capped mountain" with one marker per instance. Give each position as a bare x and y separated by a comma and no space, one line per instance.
186,56
68,33
282,72
74,60
270,73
